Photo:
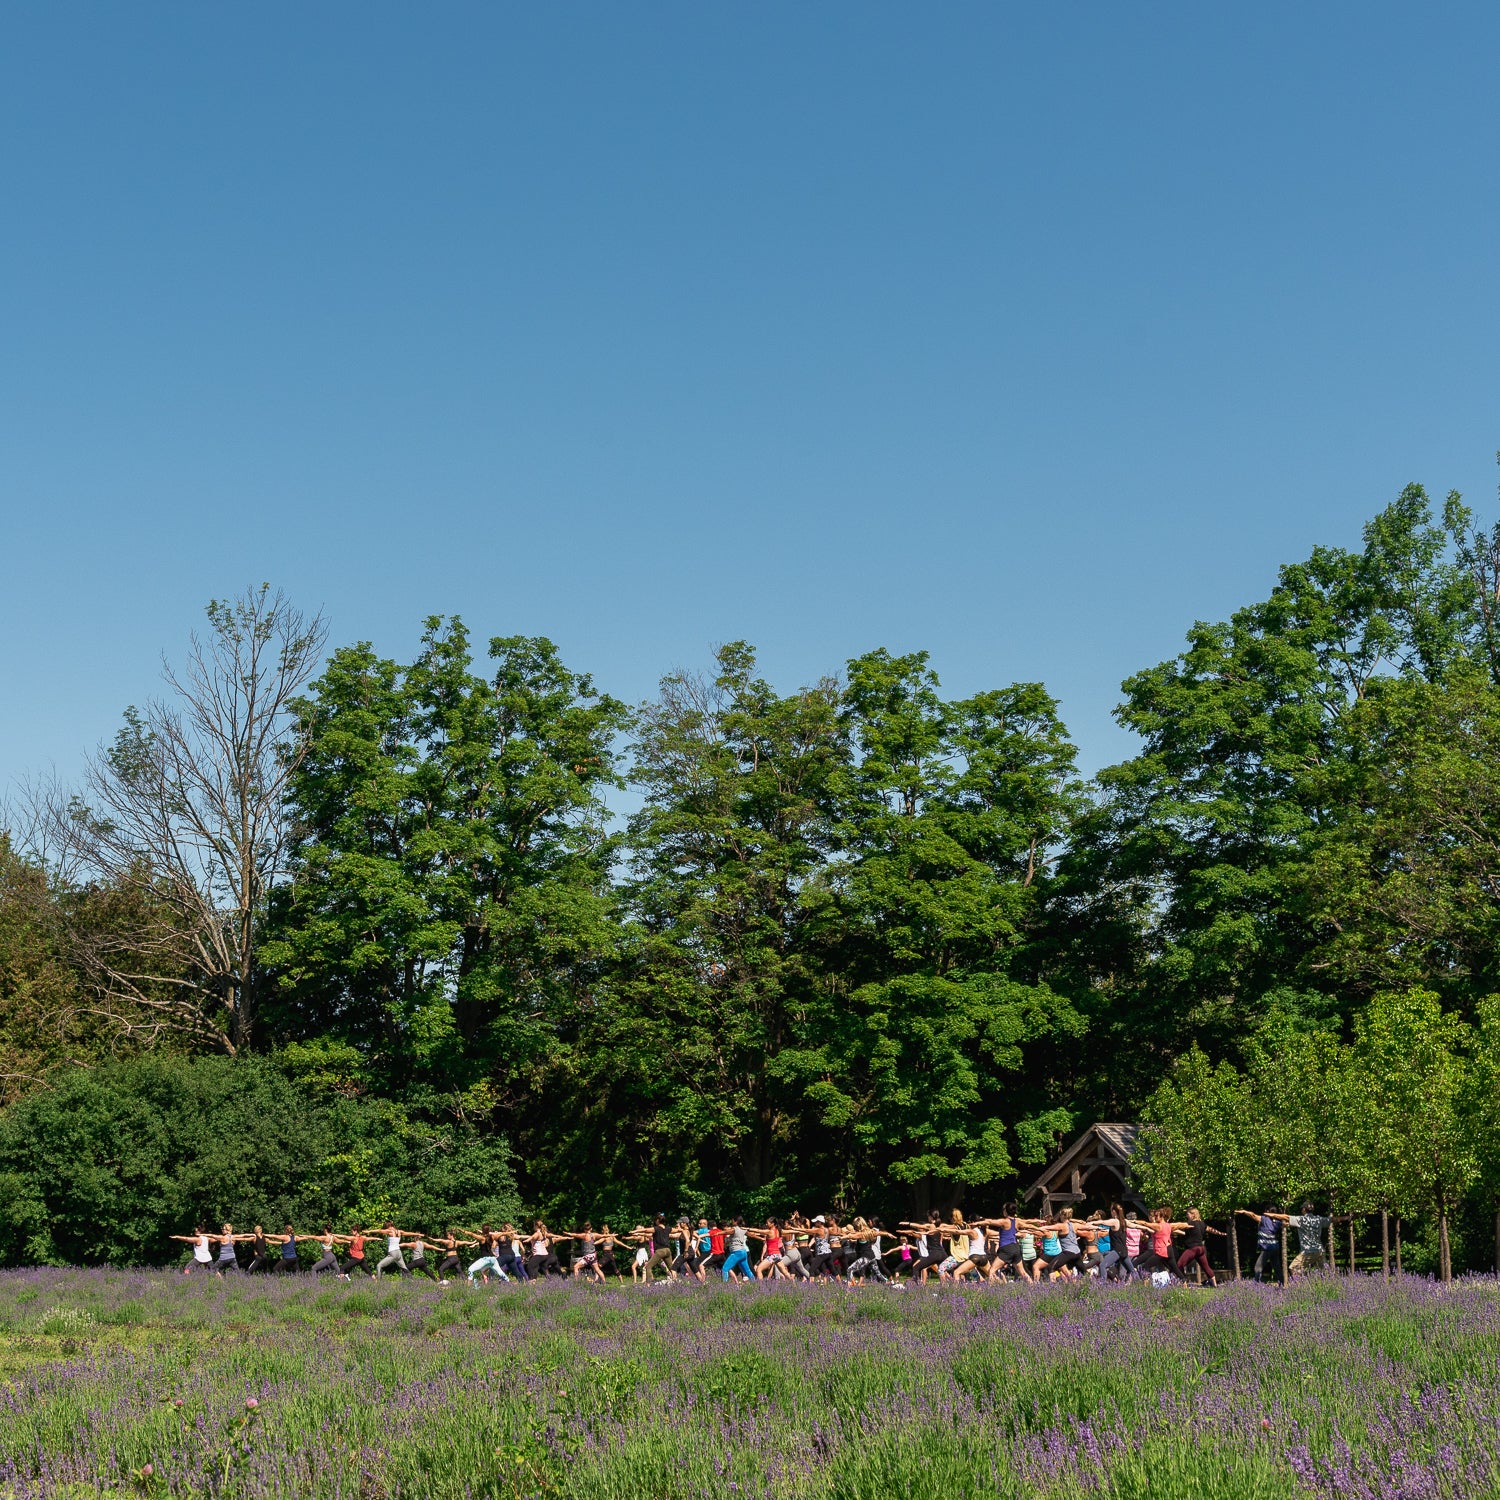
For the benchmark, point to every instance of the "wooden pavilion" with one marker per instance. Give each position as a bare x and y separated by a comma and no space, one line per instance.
1095,1168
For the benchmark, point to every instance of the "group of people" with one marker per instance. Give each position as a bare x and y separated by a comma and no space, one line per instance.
1108,1245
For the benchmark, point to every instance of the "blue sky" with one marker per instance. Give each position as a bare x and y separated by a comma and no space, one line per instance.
1024,335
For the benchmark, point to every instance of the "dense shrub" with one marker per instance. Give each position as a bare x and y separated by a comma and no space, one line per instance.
107,1163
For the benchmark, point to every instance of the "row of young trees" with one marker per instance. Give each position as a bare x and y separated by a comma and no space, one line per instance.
861,938
1403,1119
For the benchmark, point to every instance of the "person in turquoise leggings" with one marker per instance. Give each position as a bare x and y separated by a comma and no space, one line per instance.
738,1258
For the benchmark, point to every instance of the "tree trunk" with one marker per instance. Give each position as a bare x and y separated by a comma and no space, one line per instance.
1333,1261
1445,1262
1385,1243
1398,1245
1285,1271
1234,1247
1497,1242
1351,1244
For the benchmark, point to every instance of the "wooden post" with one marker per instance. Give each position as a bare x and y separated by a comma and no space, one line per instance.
1234,1245
1285,1268
1351,1244
1398,1244
1445,1260
1333,1260
1385,1243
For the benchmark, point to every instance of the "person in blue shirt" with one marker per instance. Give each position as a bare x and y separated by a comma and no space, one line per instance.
1267,1242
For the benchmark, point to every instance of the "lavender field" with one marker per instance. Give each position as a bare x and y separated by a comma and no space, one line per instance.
136,1383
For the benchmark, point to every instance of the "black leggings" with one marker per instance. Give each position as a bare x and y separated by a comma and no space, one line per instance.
289,1263
825,1263
543,1265
450,1262
421,1266
260,1263
351,1266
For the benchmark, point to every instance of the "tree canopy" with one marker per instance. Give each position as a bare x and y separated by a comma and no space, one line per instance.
744,942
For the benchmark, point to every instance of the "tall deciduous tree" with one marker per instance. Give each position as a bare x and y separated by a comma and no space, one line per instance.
1198,887
451,898
949,814
736,820
185,814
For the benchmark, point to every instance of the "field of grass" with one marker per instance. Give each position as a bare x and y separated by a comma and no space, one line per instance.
143,1383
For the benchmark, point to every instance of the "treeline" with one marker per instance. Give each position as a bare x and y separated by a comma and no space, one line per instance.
860,941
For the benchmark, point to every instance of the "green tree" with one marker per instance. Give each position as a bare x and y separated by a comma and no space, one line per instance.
1414,1053
735,822
1482,1106
451,903
1196,887
1196,1147
949,813
1409,889
42,1022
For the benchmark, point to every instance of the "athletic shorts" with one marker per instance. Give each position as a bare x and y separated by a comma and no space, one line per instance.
1009,1253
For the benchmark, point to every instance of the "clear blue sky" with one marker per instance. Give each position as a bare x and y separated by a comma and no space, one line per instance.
1027,335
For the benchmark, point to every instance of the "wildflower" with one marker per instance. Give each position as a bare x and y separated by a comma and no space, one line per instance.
251,1403
147,1471
1265,1422
178,1401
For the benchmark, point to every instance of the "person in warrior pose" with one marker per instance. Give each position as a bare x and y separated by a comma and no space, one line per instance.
203,1259
586,1257
356,1261
606,1240
822,1256
227,1259
1194,1251
1267,1242
450,1262
684,1249
393,1257
1311,1226
419,1262
770,1263
1007,1246
260,1251
869,1251
543,1258
661,1249
737,1262
488,1260
930,1247
330,1260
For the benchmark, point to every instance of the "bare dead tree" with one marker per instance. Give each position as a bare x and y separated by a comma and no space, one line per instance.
183,820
